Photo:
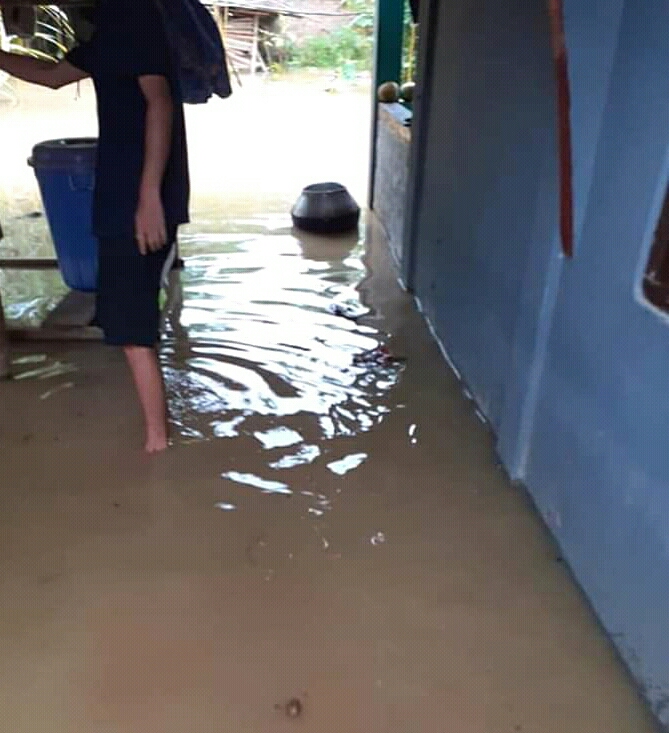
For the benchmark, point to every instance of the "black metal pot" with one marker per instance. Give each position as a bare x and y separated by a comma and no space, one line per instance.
325,208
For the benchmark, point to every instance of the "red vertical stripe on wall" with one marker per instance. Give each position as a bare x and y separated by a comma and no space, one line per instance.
564,126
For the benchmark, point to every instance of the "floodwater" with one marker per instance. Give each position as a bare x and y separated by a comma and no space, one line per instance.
328,546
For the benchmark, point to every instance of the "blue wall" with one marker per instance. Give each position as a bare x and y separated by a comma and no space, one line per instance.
563,356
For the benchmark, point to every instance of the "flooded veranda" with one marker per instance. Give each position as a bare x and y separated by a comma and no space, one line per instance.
327,527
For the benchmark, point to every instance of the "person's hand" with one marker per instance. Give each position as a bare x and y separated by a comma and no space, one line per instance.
150,227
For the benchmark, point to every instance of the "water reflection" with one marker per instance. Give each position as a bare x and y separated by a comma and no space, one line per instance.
306,454
280,437
348,463
266,337
29,296
55,369
254,346
225,506
249,479
55,390
30,359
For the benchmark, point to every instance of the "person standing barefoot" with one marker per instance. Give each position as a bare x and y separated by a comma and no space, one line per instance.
142,183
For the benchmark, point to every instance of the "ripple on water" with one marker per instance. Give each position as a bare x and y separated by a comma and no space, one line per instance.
249,479
347,463
305,454
254,343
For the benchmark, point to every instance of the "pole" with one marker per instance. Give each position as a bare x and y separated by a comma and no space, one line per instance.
388,42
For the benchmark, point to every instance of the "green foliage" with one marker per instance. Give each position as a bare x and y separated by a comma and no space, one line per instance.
353,42
410,49
332,50
364,20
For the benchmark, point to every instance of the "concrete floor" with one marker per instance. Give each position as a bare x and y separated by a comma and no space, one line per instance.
333,533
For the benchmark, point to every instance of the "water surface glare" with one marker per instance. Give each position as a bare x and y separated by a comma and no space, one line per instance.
254,346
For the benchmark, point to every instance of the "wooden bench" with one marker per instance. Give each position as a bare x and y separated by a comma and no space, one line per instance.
70,319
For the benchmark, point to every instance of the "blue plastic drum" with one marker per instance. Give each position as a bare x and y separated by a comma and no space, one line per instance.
65,172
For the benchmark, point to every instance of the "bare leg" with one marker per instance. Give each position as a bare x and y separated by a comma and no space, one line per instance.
151,392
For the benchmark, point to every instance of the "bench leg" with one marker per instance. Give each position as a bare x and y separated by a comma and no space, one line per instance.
4,344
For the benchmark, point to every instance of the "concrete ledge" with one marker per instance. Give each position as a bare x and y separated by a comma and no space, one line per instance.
396,116
393,145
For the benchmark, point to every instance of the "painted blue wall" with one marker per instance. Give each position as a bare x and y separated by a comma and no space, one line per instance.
490,145
564,357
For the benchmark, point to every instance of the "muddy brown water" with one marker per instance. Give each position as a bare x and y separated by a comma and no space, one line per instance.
328,546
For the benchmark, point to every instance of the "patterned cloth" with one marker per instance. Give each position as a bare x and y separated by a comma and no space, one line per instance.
197,48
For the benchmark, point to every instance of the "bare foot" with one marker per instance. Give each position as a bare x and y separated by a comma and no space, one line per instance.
148,378
156,444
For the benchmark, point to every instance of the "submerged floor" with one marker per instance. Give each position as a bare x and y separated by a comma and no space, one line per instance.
333,531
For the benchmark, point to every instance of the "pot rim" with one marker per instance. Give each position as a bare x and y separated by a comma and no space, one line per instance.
328,187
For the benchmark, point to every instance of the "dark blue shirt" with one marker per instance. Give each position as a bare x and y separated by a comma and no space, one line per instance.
130,42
